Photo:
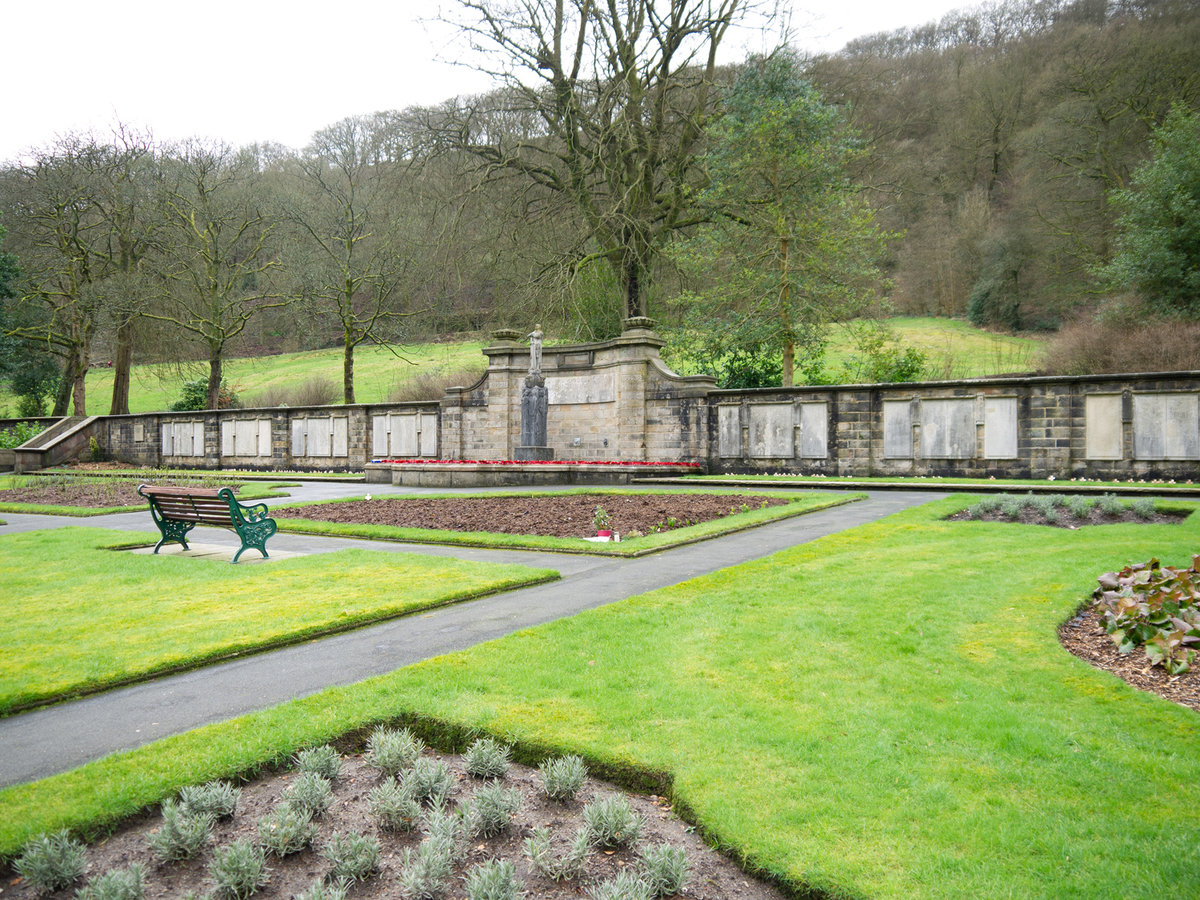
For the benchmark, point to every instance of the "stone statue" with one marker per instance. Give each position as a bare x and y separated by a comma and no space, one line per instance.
535,351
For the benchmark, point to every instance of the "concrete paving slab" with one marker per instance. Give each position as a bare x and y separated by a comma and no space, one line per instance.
218,553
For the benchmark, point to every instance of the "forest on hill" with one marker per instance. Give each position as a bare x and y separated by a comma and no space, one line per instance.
992,165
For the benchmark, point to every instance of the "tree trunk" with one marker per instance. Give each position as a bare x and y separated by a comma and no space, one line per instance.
785,315
348,371
62,399
633,277
121,366
79,385
213,400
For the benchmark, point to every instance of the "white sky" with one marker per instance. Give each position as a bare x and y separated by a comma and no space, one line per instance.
275,70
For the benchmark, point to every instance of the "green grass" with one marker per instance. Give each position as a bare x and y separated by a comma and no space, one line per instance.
78,617
376,373
248,492
882,713
957,349
628,547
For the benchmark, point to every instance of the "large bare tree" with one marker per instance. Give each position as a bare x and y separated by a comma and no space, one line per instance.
619,92
217,258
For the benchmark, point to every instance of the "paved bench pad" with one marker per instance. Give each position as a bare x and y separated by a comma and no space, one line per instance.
177,510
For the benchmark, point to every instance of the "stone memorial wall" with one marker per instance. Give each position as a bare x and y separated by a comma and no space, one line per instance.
616,401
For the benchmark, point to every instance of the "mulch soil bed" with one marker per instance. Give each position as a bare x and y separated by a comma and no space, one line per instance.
89,495
713,876
568,515
1031,516
1084,635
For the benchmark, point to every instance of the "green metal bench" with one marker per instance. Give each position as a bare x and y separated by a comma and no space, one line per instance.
177,510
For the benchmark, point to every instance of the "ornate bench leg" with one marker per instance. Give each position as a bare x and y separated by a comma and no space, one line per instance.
254,535
173,530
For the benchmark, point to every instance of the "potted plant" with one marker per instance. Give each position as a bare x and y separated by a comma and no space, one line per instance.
603,522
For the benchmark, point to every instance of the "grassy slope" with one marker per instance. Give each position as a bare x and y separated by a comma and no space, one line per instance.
885,712
125,616
955,348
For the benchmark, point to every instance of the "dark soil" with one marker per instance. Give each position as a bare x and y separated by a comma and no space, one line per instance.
91,494
1084,635
1031,516
568,515
713,876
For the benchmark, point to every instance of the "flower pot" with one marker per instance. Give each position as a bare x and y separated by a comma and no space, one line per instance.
604,533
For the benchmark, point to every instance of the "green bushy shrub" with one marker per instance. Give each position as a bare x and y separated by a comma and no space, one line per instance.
664,869
182,835
52,861
491,809
309,792
392,751
352,857
238,870
393,807
287,829
611,822
562,776
487,758
216,798
323,761
118,884
492,880
542,860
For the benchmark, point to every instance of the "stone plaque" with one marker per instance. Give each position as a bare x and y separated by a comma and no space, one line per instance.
729,431
772,428
320,437
299,437
948,429
379,437
1103,427
227,437
1166,426
814,430
340,436
429,435
595,388
139,431
897,429
405,437
1000,428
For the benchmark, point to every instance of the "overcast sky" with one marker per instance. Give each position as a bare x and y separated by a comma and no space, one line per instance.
276,70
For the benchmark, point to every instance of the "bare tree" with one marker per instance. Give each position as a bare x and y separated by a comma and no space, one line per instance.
217,258
349,210
619,92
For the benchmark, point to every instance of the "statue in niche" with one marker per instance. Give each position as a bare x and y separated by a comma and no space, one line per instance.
535,350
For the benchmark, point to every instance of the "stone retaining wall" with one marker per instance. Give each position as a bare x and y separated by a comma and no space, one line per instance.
1110,426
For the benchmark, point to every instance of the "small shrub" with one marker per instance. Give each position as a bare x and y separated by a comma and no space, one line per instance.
52,861
1154,607
492,880
394,807
324,890
193,395
1052,516
182,834
239,870
354,857
1111,505
431,385
664,869
611,822
975,511
118,884
425,874
218,799
447,829
286,829
491,809
429,780
1079,507
1043,504
992,502
1011,508
543,861
392,751
309,792
1143,508
624,886
562,777
323,761
18,434
487,758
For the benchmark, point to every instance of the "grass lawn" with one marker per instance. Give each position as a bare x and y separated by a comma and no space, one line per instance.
77,616
882,713
631,547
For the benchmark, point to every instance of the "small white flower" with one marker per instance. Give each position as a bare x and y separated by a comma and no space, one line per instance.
368,497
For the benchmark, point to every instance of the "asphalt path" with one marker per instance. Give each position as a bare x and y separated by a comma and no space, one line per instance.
44,742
